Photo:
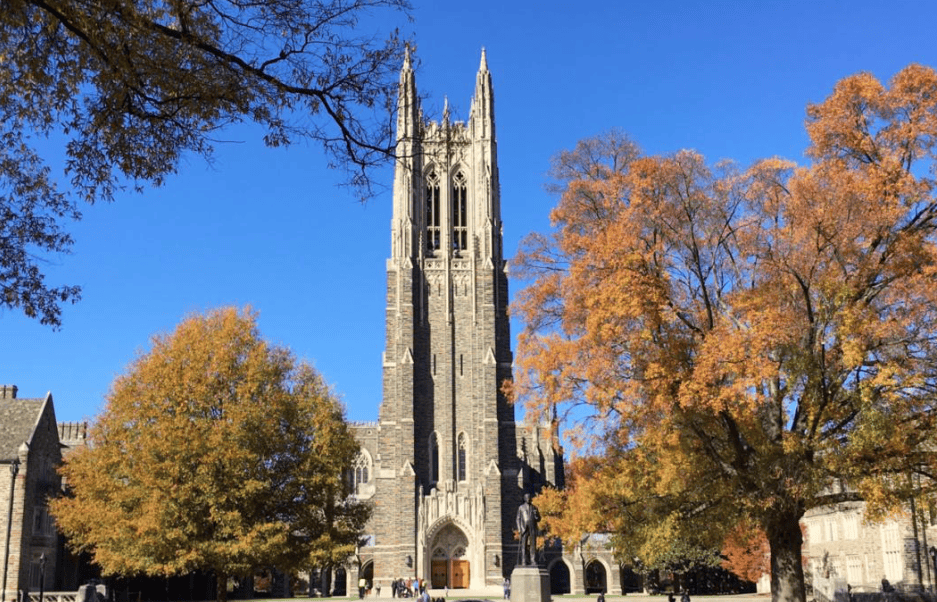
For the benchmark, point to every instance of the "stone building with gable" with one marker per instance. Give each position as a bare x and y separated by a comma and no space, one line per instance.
29,440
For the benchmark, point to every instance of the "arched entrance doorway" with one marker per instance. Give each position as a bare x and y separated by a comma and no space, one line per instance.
449,565
559,578
595,578
341,580
367,571
630,581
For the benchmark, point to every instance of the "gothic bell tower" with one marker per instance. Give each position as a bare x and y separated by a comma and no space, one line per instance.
448,461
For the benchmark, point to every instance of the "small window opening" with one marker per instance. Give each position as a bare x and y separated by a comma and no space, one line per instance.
433,458
459,213
432,213
462,452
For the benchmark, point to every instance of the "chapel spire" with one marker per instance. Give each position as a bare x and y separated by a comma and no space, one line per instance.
408,104
483,103
406,171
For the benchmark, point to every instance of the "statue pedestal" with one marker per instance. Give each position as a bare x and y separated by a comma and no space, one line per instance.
530,584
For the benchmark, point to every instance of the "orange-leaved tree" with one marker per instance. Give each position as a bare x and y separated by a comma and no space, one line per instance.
748,341
746,552
216,451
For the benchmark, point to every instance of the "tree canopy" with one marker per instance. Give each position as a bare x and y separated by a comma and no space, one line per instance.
135,85
751,343
215,451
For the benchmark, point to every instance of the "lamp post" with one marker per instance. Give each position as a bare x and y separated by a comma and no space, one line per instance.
42,575
14,469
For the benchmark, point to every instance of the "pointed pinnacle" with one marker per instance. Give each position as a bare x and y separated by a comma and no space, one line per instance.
445,109
406,56
484,63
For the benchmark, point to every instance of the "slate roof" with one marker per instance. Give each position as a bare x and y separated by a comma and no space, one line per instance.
18,419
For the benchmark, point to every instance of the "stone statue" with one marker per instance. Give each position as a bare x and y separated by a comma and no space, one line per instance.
527,518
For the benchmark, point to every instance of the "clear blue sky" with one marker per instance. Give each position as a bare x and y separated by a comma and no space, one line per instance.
270,229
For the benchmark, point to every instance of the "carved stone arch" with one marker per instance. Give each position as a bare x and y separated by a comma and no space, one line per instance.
604,563
456,167
561,581
590,585
444,521
452,551
364,459
562,559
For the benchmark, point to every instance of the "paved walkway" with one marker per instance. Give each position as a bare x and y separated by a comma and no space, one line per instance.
467,594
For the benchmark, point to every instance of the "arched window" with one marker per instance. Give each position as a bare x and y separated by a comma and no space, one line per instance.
360,470
433,458
432,213
459,213
462,455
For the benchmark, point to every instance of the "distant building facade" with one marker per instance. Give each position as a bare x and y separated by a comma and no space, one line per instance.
841,547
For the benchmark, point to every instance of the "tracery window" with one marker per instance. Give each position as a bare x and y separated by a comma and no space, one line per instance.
433,238
360,470
459,213
462,451
433,458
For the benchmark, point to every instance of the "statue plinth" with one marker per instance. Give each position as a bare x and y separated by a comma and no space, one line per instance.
530,584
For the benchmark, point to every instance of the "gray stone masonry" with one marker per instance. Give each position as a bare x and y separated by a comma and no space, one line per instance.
446,475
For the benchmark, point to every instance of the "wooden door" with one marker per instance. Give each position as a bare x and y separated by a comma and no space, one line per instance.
438,574
460,574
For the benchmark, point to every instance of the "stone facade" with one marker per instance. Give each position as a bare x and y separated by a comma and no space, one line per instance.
28,435
446,465
840,545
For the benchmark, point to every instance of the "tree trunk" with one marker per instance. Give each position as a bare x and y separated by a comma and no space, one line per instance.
787,568
222,585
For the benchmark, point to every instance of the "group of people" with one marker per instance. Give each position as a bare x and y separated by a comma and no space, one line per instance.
403,588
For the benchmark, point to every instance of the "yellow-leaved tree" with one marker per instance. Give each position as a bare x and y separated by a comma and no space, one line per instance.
752,343
216,451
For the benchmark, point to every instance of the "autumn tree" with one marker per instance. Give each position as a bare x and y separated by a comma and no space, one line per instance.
216,451
135,85
751,343
746,552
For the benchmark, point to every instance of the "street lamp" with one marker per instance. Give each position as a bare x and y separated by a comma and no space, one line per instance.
42,575
14,469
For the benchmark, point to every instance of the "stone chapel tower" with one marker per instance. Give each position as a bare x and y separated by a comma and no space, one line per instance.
447,459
